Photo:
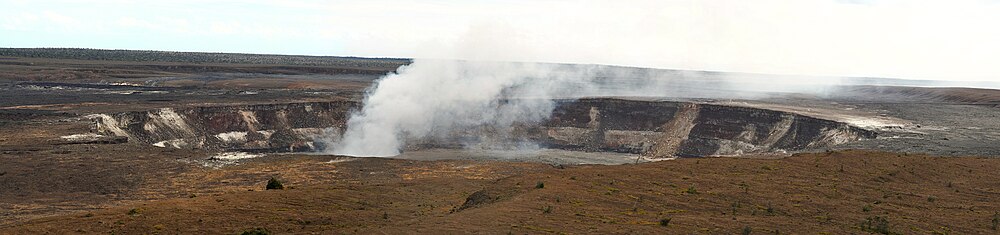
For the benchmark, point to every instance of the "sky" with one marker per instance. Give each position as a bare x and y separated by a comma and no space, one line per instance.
957,40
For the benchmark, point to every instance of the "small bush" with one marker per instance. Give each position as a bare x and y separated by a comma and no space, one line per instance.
274,183
931,199
691,190
876,224
747,230
664,222
866,208
256,231
134,211
996,220
540,185
546,209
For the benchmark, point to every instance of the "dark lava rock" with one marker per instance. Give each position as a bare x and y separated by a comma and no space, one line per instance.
478,198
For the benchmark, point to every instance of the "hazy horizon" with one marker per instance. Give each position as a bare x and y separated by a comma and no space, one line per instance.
920,40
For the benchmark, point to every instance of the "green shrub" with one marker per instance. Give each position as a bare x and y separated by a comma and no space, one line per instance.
256,231
540,185
274,183
996,220
691,190
747,230
876,224
664,222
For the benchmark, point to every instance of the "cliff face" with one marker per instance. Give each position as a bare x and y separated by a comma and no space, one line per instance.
665,129
652,128
268,127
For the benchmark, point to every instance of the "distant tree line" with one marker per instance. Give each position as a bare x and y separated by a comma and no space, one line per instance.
200,57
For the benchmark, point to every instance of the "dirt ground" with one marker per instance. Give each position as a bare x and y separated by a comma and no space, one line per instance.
834,193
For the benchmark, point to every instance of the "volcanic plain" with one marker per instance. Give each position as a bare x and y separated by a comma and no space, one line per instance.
147,142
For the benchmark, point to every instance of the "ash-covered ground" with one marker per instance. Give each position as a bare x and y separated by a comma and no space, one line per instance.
90,132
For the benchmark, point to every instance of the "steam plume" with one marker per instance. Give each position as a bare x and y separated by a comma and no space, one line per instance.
432,98
436,99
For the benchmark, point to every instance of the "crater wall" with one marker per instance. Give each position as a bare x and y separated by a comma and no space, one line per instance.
263,127
652,128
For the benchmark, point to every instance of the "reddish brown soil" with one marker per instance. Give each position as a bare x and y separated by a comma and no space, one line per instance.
831,193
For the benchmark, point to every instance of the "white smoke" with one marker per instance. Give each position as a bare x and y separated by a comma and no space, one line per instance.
440,99
434,98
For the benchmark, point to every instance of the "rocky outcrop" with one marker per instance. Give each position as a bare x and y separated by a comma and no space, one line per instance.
265,127
669,129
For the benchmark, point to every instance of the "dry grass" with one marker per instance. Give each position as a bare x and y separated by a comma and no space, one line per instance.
842,192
